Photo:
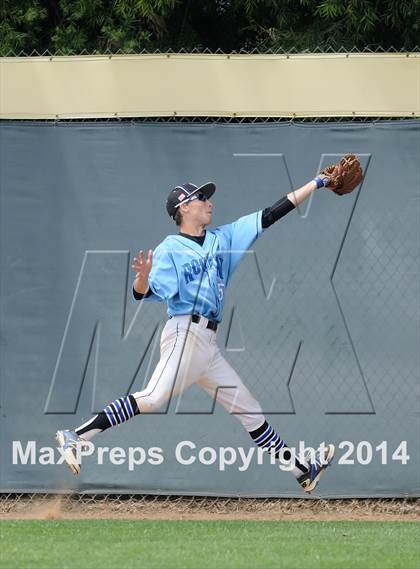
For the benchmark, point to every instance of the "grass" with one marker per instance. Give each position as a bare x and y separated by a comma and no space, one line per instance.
125,544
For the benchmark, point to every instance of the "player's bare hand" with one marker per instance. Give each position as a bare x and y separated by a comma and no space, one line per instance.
142,265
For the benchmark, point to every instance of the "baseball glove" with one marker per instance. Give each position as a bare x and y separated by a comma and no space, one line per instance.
344,176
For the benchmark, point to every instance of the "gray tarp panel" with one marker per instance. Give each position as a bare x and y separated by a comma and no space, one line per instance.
321,321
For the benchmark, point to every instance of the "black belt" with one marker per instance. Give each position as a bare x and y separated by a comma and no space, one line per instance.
211,324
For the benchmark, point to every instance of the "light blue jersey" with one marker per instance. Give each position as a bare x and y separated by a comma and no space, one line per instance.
191,278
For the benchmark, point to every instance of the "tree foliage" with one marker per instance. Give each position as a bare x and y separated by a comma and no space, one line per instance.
130,26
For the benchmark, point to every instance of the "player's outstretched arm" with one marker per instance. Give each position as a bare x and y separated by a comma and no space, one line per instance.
289,202
298,196
341,178
142,267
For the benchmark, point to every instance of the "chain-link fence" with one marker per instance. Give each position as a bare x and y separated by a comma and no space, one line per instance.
323,353
123,506
96,505
216,120
320,49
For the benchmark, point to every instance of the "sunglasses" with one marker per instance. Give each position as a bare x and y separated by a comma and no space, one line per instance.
198,196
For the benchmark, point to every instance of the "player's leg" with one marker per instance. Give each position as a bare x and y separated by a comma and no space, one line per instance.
183,359
225,386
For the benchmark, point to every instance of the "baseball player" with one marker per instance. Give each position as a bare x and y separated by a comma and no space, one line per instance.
190,271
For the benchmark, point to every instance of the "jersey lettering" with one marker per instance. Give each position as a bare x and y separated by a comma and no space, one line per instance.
188,276
195,267
219,261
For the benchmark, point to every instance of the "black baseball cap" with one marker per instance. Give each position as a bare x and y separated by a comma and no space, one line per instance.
184,192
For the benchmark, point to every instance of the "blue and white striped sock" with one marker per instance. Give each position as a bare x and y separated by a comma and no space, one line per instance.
120,410
115,413
267,438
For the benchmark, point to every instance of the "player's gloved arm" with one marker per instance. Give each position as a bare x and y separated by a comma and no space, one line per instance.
300,195
278,210
342,178
290,202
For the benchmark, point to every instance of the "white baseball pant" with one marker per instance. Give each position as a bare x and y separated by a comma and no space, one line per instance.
189,354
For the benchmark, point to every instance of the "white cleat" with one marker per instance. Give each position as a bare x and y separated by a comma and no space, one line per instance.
317,464
71,444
